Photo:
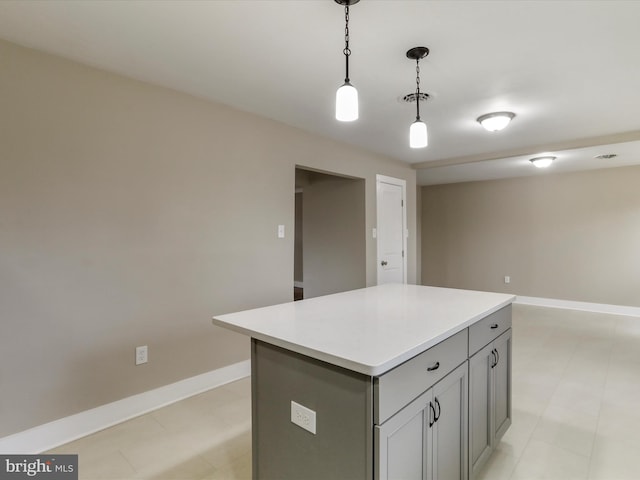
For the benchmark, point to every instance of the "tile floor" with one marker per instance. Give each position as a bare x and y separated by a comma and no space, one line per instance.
576,413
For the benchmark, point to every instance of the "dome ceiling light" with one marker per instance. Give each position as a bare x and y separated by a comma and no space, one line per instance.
496,121
542,162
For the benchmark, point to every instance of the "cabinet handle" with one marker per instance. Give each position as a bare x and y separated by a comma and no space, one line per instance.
497,356
435,367
495,359
439,410
494,326
432,414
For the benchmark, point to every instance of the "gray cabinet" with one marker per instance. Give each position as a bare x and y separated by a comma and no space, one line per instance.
427,439
489,397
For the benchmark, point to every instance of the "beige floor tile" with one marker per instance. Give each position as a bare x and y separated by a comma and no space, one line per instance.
579,396
614,459
541,460
187,469
236,445
616,423
109,466
626,351
570,429
500,466
235,413
515,440
159,453
238,470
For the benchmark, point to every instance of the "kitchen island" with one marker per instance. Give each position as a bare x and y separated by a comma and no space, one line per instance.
392,381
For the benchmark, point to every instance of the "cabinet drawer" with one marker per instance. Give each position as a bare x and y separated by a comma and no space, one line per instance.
489,328
399,386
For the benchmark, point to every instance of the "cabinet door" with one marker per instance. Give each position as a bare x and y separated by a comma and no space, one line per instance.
480,409
502,385
402,450
449,432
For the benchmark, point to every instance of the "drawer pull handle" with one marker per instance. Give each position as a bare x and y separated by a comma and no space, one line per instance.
435,367
494,326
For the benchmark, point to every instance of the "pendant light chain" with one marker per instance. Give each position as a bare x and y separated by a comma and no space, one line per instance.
347,50
417,89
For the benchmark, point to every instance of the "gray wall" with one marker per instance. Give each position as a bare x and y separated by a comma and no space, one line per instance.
297,253
333,233
569,236
130,214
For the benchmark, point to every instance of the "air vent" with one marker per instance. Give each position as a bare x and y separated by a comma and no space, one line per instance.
606,156
410,98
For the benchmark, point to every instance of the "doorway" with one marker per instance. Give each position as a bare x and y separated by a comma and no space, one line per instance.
330,238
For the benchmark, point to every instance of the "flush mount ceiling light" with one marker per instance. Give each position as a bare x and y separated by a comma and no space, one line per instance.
542,162
418,137
495,121
347,95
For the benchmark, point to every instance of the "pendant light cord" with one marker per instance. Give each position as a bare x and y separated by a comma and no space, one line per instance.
347,50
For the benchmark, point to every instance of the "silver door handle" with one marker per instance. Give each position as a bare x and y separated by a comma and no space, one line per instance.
383,263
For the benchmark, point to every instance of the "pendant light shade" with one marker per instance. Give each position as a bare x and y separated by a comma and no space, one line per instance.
347,103
418,131
418,135
347,95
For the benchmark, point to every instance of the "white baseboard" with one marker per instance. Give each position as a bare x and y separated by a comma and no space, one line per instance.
584,306
53,434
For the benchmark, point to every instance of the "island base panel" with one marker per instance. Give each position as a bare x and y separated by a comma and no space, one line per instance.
342,447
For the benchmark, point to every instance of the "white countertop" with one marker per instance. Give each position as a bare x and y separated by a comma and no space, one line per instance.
370,330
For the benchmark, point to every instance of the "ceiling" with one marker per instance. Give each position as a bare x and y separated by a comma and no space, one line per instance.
570,70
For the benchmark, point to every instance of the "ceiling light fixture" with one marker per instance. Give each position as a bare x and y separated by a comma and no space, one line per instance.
542,162
418,137
496,121
347,95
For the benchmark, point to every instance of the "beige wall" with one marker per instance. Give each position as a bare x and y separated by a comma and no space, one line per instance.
333,235
566,236
129,215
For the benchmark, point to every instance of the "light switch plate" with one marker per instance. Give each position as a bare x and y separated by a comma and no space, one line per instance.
280,231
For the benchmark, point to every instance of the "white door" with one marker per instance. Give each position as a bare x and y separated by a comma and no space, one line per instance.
392,221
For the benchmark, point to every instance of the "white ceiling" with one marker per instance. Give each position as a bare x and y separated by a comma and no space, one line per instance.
570,70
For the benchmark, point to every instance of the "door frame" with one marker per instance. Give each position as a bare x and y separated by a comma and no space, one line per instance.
403,185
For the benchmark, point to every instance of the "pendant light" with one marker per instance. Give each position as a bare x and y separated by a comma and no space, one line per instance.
347,95
418,137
